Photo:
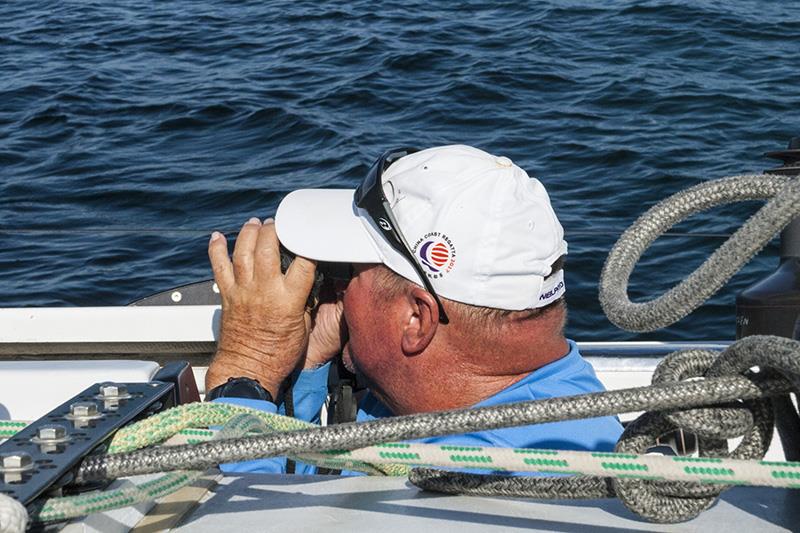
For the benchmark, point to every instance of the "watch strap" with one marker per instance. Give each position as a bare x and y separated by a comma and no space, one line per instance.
240,387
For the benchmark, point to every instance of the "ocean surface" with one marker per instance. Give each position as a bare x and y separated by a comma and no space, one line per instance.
130,130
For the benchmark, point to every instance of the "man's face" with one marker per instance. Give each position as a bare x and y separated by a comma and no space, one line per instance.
367,323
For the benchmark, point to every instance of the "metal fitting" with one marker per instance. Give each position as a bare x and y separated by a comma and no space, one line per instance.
51,434
15,462
84,410
115,391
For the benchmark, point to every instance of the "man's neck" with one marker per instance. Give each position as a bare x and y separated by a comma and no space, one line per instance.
463,380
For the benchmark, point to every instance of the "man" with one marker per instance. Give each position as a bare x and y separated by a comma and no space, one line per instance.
457,299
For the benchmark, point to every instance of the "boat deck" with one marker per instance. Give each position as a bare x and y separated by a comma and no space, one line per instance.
283,503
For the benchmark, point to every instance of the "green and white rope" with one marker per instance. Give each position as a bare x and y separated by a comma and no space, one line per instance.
9,428
186,418
179,426
398,459
63,508
158,428
709,470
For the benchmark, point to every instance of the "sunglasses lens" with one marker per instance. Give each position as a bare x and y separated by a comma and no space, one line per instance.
394,156
365,190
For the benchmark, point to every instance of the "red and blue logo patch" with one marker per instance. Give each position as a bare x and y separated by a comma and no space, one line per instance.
434,255
436,252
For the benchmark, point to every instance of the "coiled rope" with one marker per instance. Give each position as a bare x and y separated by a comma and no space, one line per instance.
666,501
13,515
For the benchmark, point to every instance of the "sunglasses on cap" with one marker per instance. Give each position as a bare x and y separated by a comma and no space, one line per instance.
370,197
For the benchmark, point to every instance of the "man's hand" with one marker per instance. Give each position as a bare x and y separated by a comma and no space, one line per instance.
265,325
329,331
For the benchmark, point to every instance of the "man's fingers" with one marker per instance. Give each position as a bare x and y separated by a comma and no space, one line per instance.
300,276
243,252
220,263
267,252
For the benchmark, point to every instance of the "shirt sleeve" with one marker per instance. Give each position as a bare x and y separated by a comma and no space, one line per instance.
309,393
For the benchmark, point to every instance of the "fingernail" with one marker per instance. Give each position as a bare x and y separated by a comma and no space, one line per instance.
269,220
215,236
254,220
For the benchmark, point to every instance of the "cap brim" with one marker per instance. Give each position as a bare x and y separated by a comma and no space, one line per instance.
322,224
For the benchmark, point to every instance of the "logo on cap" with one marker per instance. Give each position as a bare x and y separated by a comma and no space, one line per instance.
436,252
552,292
382,222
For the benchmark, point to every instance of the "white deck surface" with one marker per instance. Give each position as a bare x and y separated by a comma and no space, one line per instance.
259,502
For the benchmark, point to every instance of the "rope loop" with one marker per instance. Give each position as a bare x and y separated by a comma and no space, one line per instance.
752,420
783,194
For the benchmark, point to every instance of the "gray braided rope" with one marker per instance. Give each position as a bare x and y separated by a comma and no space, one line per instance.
541,488
358,435
717,269
656,501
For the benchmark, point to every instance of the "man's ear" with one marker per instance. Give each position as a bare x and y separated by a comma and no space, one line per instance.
421,321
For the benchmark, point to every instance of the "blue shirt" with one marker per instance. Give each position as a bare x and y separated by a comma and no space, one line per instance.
564,377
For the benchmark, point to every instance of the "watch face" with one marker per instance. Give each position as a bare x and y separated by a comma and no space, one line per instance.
240,388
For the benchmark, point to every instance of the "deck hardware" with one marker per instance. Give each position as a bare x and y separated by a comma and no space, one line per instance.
60,448
51,434
51,438
84,411
13,467
15,462
113,391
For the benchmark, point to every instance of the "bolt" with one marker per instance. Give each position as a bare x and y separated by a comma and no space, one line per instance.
111,404
52,432
83,409
16,461
113,390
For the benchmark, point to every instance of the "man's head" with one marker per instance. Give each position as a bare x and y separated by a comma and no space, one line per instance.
481,231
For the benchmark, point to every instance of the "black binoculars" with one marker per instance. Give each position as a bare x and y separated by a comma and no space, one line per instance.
325,275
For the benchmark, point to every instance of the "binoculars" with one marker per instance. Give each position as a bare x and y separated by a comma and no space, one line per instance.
326,274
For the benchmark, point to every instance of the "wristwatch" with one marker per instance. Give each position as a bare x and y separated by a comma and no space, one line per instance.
240,387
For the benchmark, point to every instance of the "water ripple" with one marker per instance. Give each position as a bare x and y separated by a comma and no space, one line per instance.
175,115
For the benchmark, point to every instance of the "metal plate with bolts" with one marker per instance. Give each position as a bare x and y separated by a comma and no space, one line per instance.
43,455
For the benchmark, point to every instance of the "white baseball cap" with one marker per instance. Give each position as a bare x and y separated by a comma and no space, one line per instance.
483,231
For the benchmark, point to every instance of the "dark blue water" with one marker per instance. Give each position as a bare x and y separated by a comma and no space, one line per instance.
129,130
